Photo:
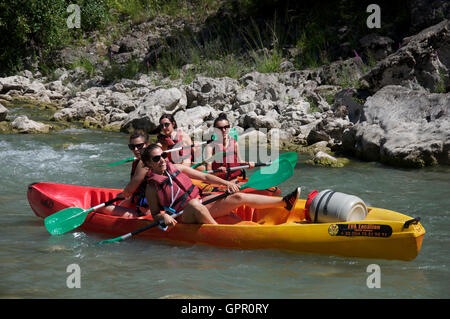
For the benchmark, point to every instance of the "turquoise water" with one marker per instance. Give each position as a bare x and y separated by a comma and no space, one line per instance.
34,263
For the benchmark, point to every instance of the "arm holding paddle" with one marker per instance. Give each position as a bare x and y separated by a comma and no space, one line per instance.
209,178
158,215
209,154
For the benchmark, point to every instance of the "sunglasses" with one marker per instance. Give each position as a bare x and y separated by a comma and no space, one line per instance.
157,158
165,124
138,146
226,127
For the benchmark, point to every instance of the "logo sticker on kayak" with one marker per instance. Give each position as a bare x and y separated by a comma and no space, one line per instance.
360,230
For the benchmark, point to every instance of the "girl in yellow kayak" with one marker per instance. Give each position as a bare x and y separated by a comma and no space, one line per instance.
171,136
134,191
227,145
170,189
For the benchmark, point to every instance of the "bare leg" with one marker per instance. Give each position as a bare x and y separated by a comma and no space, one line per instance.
122,210
196,213
224,206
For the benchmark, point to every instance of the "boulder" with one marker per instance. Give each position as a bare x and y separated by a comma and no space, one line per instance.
210,91
24,125
404,127
3,113
376,47
193,118
78,110
422,61
14,83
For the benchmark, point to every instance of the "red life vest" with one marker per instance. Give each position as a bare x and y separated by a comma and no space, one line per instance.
178,156
229,159
174,191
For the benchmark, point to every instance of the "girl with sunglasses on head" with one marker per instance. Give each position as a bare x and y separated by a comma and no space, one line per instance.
170,190
134,191
227,145
173,137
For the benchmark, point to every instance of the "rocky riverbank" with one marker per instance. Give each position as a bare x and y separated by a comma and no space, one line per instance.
396,111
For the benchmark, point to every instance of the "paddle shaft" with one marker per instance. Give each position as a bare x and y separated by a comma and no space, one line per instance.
230,169
211,159
185,147
137,231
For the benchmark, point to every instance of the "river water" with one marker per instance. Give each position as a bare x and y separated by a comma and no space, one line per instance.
34,264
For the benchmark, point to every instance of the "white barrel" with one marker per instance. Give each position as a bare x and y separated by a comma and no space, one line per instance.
329,206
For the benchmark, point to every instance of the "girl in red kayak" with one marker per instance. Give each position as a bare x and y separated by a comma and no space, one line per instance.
173,137
170,189
134,191
226,144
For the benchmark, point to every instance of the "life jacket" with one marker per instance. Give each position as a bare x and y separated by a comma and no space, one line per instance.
179,156
174,189
229,159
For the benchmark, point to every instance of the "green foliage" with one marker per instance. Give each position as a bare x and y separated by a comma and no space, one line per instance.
267,62
36,28
440,85
86,65
313,45
94,14
244,35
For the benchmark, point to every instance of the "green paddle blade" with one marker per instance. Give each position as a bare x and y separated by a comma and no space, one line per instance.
279,171
65,220
119,162
291,157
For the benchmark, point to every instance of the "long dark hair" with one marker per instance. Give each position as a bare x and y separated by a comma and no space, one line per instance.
170,118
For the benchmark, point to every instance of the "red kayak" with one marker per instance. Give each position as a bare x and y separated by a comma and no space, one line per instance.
46,199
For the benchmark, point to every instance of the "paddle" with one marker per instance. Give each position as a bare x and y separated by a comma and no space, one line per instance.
70,218
185,147
268,176
233,133
211,159
166,151
230,169
290,156
119,162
